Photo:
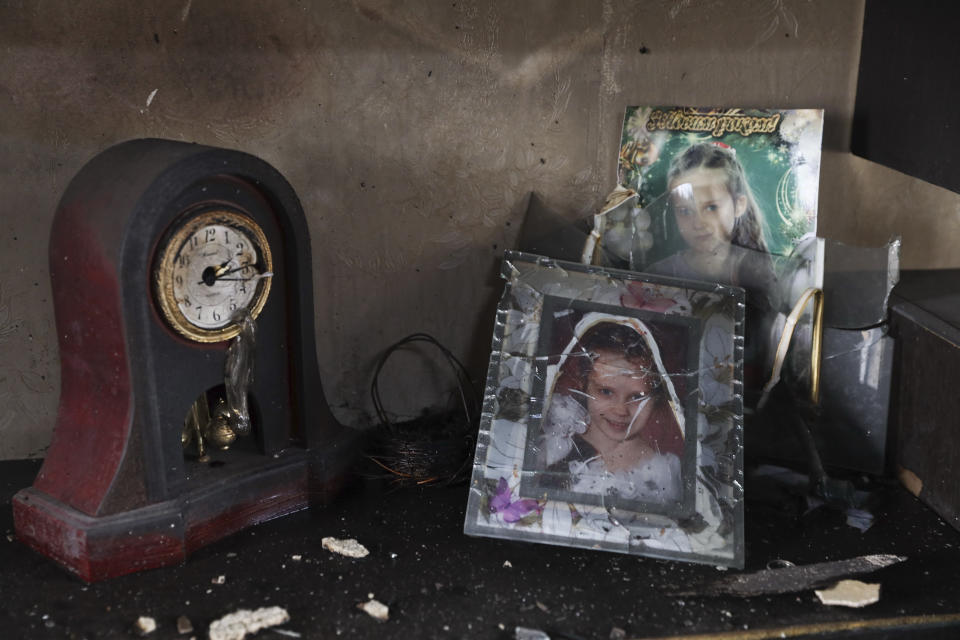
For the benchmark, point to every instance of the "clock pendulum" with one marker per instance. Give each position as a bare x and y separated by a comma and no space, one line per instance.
166,259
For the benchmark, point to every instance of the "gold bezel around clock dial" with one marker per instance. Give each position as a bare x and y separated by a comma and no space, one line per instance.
213,264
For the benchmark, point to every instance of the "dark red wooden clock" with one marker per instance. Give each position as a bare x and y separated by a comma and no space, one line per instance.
158,252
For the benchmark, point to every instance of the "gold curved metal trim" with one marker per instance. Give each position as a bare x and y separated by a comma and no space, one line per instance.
816,344
163,273
821,629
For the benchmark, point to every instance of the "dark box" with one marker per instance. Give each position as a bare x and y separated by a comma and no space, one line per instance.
925,411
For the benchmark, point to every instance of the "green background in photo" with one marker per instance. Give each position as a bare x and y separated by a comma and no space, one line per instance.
784,183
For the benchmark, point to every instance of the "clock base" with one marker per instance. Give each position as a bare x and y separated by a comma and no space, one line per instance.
163,534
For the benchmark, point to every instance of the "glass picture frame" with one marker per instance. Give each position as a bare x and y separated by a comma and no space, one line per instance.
613,414
726,195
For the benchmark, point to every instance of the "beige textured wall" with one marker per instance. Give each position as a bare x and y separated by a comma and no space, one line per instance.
413,133
864,203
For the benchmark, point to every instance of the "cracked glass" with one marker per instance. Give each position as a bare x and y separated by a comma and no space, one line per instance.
613,414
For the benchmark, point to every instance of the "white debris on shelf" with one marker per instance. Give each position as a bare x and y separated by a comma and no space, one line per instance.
526,633
236,625
375,609
349,547
507,564
850,593
219,580
184,625
145,625
296,557
859,519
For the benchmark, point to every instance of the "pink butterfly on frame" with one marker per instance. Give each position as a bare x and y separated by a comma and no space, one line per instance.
511,511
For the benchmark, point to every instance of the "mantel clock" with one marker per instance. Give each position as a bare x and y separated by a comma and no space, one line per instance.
160,253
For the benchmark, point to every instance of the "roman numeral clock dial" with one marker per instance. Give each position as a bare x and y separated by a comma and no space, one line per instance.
211,266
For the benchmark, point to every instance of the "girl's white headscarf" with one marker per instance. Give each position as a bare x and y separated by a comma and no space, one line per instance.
594,318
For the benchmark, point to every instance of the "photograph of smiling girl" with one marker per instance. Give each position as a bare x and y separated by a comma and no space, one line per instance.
713,210
717,217
727,196
616,427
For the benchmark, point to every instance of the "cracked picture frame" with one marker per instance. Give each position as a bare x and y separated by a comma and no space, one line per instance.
613,414
607,424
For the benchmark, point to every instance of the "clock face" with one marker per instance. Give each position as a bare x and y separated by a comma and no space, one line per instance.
213,265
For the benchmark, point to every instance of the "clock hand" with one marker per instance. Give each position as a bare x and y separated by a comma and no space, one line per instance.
259,276
225,273
212,274
222,269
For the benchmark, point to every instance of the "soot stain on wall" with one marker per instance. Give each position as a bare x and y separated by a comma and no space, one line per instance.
412,134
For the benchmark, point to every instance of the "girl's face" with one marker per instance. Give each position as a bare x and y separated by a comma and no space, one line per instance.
619,401
705,209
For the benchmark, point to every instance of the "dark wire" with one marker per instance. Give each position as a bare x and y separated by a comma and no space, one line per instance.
408,449
463,378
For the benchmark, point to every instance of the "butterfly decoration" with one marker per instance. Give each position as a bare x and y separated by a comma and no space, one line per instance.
511,510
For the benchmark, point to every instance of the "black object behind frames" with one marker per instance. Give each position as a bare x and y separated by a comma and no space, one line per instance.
907,91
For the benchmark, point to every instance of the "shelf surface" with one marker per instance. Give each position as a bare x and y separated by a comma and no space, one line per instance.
440,583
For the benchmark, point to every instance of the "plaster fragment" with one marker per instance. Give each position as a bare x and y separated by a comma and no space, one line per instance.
375,609
526,633
153,94
184,625
219,580
507,564
911,481
145,625
236,625
850,593
859,519
348,547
